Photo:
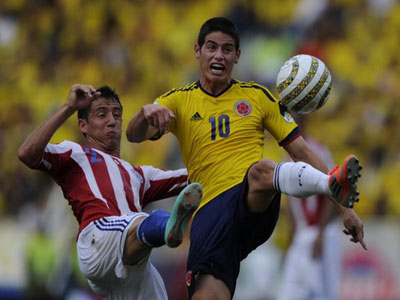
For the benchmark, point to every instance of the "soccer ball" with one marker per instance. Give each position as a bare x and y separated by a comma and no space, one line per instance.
304,83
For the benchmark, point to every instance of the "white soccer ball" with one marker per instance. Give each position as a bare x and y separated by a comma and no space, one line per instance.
304,83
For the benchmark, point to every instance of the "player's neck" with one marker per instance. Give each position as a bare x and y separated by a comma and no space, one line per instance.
113,150
214,87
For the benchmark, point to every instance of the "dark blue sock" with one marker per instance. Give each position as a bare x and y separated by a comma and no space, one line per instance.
152,229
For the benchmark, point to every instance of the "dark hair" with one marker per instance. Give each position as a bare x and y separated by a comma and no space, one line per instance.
218,24
107,93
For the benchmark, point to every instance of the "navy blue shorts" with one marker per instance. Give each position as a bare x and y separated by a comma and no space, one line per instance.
224,232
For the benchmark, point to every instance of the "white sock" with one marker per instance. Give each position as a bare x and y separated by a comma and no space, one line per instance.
299,179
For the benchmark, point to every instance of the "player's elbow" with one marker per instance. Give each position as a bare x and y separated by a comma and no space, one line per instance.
25,156
22,154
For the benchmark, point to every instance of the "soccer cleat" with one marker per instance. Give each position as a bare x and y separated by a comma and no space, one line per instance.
343,181
185,205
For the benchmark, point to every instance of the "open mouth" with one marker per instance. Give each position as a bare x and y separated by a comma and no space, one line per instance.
217,68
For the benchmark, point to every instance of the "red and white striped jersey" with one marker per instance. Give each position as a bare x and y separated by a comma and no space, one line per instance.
308,211
97,184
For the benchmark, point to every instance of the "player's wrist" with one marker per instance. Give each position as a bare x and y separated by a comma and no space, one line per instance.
68,108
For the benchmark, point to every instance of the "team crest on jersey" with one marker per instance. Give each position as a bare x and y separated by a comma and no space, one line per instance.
288,117
285,113
242,108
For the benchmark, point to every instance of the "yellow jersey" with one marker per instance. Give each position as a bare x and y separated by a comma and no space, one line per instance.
221,136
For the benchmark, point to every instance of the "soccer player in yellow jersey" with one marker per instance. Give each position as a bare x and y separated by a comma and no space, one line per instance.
219,123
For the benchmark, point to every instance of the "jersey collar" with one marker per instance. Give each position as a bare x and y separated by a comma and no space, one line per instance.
219,94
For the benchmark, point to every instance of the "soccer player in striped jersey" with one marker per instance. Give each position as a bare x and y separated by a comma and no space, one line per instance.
107,194
315,245
219,123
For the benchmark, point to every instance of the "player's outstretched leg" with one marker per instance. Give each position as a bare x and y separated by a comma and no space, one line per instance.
185,205
343,181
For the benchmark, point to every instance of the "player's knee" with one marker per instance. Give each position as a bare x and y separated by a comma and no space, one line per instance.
262,173
261,188
134,249
210,288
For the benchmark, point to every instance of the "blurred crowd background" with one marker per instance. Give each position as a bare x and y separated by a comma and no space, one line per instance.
145,48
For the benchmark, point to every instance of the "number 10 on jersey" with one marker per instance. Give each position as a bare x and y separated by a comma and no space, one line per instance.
223,126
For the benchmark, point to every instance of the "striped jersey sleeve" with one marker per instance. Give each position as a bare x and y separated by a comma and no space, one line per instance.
97,184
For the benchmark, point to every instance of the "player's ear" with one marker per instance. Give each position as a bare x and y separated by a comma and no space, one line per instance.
237,56
197,50
82,124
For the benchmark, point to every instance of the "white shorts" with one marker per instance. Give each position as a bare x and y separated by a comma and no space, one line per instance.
100,247
309,278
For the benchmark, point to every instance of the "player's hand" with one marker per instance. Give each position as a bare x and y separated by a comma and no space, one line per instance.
81,95
354,227
158,117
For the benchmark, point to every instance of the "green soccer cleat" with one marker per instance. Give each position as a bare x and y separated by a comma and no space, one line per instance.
343,181
186,203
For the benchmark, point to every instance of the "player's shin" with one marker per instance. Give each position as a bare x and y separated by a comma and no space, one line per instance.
152,229
300,179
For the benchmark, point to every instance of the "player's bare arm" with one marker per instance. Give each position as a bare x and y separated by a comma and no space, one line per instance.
152,120
299,150
31,150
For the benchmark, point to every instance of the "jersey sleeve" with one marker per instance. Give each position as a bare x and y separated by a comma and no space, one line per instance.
278,121
55,158
169,100
160,184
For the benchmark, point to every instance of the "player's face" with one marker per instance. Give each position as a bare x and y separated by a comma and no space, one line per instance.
217,57
104,126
